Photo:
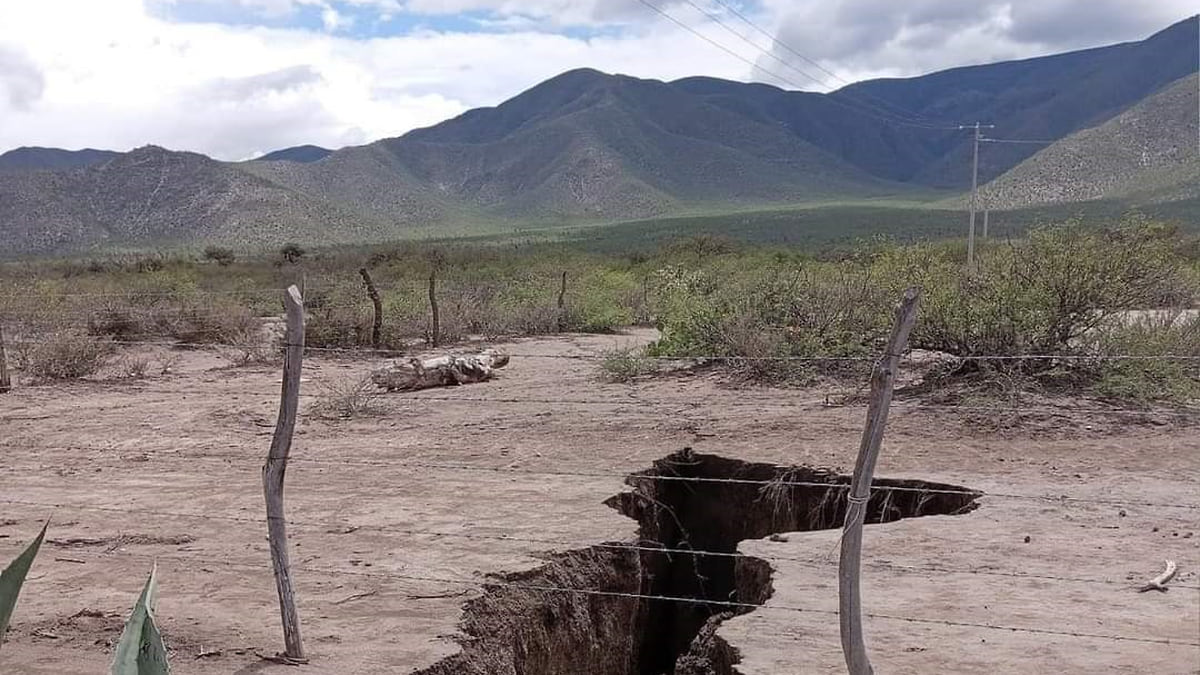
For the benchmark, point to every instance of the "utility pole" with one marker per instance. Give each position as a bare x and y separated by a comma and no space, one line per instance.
974,190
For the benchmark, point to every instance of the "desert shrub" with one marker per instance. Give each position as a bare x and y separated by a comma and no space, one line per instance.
133,366
599,301
1152,376
64,354
119,319
213,321
291,253
348,399
338,326
168,362
252,350
149,264
219,254
1043,296
341,316
624,365
755,313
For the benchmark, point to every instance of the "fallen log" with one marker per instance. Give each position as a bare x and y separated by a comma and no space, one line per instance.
443,371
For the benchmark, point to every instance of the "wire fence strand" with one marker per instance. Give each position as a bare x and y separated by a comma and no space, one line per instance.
493,583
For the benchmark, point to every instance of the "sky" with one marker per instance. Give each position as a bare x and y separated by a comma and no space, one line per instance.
237,78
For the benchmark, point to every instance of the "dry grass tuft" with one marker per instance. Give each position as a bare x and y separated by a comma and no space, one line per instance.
64,355
349,399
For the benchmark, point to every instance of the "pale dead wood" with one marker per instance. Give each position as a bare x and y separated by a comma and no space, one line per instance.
1159,583
849,594
443,371
273,474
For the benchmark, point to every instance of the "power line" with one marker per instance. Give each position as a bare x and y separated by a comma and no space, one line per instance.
781,78
782,45
717,19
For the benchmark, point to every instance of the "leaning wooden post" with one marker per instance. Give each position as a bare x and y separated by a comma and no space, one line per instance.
849,596
562,302
5,381
435,328
373,293
276,467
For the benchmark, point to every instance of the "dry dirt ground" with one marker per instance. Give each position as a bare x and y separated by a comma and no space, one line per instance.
167,468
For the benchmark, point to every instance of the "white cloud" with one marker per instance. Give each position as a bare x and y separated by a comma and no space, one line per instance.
118,77
21,82
334,20
76,73
883,38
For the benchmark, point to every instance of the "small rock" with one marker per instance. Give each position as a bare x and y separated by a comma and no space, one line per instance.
1122,513
1154,529
1027,539
778,537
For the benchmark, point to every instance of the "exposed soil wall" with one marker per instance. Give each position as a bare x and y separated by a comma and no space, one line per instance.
685,501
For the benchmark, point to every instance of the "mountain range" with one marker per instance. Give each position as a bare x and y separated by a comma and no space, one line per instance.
586,146
1148,153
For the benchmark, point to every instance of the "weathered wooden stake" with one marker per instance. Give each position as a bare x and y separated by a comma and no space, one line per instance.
562,303
882,380
276,467
373,293
435,328
5,381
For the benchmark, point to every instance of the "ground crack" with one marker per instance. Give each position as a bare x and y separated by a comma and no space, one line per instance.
685,502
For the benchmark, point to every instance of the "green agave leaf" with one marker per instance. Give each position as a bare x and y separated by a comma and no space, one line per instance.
13,577
141,650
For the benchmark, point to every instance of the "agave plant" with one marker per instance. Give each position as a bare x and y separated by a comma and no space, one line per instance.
141,650
13,577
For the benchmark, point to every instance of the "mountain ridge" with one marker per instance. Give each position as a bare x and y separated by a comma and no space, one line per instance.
1149,152
589,147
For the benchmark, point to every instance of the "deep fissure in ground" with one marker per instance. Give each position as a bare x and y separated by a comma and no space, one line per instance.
686,501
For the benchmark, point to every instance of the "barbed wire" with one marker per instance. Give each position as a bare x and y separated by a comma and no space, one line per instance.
808,404
342,528
627,476
514,339
449,283
494,582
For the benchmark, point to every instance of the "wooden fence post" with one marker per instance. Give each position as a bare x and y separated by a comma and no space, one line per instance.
5,381
883,378
435,328
562,303
273,474
373,293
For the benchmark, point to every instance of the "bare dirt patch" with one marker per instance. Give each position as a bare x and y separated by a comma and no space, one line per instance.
385,543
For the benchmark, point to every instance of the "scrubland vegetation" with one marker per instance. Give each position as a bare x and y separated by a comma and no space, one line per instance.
1054,304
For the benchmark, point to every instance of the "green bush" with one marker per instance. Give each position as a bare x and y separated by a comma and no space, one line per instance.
1043,296
768,310
1151,377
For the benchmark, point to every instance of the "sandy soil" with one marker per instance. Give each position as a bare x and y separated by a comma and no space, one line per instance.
177,459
